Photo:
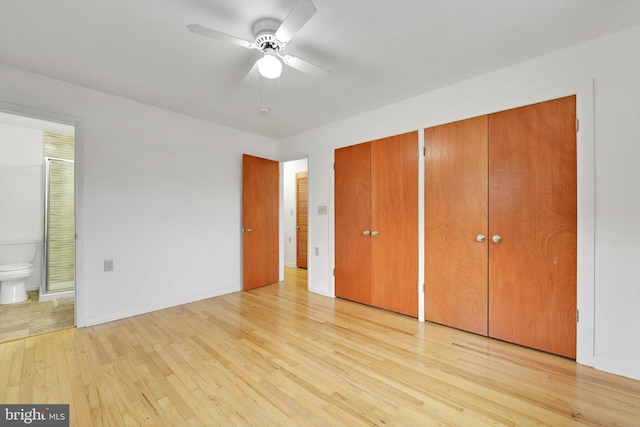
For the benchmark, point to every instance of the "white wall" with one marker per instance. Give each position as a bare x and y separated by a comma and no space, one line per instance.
611,329
21,192
158,193
21,211
290,170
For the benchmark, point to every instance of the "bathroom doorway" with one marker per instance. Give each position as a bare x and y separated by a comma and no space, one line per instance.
37,189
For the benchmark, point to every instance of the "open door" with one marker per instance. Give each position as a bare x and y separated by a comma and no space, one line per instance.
302,202
260,250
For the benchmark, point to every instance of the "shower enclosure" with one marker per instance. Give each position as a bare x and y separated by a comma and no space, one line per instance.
59,229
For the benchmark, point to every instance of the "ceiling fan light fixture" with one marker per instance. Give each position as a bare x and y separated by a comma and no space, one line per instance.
270,66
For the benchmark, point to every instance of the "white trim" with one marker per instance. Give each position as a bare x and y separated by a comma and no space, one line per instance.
586,225
623,369
280,221
421,219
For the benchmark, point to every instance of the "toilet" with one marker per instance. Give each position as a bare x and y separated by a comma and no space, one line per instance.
16,267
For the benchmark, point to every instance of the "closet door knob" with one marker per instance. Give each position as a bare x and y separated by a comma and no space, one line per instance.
480,238
366,233
374,233
496,238
246,230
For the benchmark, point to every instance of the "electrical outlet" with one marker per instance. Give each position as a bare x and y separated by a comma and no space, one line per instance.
108,265
317,251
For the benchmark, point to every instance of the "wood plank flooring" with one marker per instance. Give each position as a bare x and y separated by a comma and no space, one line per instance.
279,355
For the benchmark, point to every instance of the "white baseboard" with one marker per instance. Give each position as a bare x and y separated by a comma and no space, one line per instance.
617,368
158,305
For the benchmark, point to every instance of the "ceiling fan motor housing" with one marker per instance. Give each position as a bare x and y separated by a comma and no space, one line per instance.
265,34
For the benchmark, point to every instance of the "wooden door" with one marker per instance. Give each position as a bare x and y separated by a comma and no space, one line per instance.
353,222
456,218
260,244
302,202
394,223
533,208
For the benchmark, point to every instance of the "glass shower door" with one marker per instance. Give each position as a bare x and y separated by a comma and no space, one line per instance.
60,225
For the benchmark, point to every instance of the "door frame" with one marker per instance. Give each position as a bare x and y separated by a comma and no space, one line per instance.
282,160
77,123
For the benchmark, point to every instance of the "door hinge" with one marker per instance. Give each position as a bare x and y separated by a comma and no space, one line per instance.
420,287
334,271
334,166
577,124
577,316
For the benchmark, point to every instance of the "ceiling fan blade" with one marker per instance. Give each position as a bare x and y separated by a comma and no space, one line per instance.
252,76
301,12
208,32
306,67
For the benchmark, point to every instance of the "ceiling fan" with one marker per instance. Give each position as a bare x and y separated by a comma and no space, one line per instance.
271,37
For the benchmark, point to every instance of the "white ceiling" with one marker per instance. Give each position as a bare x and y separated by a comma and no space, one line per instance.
379,51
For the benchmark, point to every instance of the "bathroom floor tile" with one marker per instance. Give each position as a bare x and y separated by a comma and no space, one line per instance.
33,317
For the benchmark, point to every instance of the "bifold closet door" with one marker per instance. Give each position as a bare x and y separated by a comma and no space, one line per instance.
394,222
456,224
376,223
353,223
302,218
500,225
532,226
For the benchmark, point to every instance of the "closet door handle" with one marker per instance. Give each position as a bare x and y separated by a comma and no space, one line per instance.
496,238
366,233
374,233
480,238
246,230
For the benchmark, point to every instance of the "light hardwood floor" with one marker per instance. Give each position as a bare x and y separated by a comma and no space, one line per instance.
279,355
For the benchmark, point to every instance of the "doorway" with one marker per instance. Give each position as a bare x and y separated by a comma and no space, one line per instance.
295,209
39,211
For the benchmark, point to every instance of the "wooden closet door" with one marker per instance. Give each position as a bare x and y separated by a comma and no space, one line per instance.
302,217
394,216
532,205
352,219
456,210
